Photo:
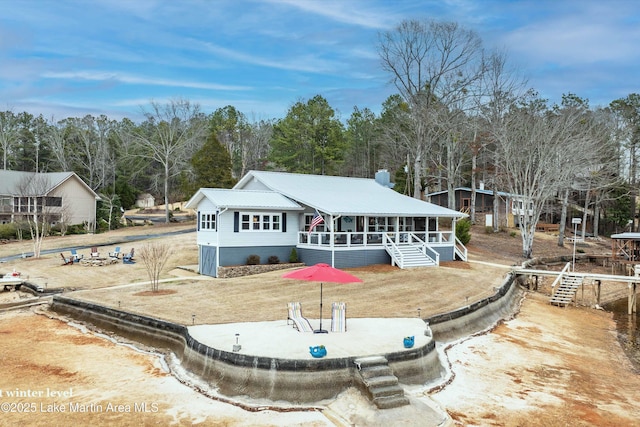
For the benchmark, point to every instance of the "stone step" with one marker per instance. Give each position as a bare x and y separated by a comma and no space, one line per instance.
389,402
375,371
387,390
381,381
364,362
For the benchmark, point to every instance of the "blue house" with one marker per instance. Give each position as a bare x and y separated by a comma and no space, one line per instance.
364,222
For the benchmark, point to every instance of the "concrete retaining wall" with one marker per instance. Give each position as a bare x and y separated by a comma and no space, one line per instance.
298,381
477,316
236,374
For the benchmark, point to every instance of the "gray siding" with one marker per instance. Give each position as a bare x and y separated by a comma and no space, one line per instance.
446,252
238,255
344,259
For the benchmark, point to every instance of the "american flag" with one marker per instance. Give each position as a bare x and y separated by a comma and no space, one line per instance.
317,219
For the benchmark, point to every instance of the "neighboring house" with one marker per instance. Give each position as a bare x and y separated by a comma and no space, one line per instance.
364,222
145,200
63,196
509,207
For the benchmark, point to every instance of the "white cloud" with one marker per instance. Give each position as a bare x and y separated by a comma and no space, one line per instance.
137,80
347,12
586,35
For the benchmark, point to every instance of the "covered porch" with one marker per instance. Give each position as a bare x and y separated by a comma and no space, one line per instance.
409,241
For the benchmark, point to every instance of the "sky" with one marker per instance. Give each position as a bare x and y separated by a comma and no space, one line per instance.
69,58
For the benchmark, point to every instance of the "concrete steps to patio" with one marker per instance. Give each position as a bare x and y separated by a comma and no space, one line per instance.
379,382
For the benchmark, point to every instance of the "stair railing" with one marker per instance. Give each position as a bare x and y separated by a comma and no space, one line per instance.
564,270
460,249
392,249
425,248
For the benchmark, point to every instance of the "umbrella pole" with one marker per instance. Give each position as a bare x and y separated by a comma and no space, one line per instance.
320,331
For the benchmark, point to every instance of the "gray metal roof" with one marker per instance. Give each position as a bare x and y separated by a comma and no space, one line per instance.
337,195
11,181
243,199
489,192
627,235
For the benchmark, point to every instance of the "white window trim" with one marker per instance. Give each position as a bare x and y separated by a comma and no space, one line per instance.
211,221
261,216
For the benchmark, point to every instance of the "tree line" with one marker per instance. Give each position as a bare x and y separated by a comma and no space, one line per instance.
461,115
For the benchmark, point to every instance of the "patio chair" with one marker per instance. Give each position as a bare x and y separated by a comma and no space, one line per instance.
128,257
66,261
94,252
75,256
339,317
116,253
300,322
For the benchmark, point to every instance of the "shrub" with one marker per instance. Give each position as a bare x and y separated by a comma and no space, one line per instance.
8,231
513,234
253,259
293,256
462,231
76,229
273,259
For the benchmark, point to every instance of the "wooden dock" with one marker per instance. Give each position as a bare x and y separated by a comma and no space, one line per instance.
569,290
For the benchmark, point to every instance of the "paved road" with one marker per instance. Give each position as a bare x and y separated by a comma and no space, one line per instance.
124,239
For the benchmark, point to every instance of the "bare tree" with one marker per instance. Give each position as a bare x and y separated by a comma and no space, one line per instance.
433,65
500,86
89,149
111,203
169,136
33,205
9,134
154,256
538,152
60,145
256,148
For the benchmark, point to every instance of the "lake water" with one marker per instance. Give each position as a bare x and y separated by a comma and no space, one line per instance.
628,327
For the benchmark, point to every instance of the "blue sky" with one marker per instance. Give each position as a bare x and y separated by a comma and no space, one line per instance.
65,58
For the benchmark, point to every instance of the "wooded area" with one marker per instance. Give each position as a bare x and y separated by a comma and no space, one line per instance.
461,115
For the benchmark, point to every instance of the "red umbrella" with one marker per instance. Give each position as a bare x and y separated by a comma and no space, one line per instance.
321,273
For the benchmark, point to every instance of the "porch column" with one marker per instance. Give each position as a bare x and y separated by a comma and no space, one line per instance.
331,242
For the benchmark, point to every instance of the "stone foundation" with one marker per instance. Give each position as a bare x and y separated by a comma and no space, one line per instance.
247,270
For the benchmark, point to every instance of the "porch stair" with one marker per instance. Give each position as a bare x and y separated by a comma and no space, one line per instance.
379,382
567,289
408,256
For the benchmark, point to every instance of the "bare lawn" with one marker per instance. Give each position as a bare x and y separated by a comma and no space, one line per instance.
549,366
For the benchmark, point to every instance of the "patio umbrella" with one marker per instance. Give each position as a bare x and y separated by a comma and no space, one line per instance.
321,273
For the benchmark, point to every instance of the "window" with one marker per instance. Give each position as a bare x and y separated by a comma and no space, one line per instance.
307,223
381,223
207,221
53,201
259,222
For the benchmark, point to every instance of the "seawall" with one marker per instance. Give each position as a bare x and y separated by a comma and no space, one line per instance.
237,374
478,316
292,380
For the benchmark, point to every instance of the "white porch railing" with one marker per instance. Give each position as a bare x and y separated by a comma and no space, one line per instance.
375,239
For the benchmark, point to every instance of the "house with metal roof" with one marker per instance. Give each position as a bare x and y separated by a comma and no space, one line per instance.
63,196
344,222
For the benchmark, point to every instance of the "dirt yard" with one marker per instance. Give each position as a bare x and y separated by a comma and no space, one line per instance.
548,366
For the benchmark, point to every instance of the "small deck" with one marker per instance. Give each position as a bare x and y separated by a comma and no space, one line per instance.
597,278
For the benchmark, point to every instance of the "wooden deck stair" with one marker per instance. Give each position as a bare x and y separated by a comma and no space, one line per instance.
566,289
377,378
407,256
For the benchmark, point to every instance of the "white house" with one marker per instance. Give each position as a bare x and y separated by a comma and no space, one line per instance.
364,222
145,200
